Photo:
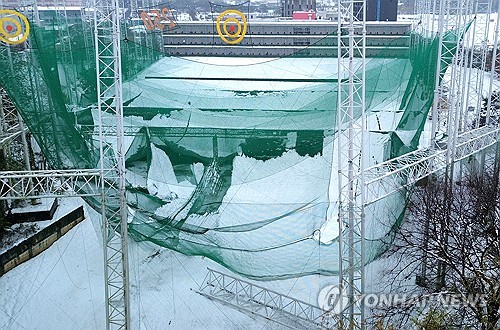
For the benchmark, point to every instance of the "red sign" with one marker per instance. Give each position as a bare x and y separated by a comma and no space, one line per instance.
304,15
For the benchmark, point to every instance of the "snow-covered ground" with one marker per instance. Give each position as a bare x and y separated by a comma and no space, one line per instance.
19,232
63,288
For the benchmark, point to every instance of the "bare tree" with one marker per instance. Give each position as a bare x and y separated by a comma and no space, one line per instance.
451,244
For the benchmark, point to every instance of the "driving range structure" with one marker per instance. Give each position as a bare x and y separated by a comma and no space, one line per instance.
274,168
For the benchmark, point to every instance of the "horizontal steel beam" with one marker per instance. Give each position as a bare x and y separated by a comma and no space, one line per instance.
49,184
257,300
204,132
9,136
391,176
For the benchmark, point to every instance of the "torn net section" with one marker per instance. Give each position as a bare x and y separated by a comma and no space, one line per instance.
230,160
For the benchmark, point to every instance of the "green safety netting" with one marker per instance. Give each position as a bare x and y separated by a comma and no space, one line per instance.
229,158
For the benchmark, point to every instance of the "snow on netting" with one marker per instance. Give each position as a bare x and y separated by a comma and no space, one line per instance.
228,158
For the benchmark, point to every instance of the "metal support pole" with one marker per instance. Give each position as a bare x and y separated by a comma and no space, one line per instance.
429,11
482,160
482,23
3,150
350,142
437,88
493,66
113,199
20,122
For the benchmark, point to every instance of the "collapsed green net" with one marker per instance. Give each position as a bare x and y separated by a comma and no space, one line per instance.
232,160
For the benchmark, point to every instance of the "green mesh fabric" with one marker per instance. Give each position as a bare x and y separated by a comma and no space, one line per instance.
231,159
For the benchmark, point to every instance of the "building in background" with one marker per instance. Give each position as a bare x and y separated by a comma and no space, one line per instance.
378,10
382,10
304,15
289,6
47,3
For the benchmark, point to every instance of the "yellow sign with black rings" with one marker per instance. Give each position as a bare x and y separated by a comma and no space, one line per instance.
14,27
231,26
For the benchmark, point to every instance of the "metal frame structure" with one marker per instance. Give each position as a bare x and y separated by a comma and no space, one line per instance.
478,57
494,64
454,97
87,16
113,199
11,122
11,125
48,184
108,182
393,175
256,300
456,13
358,186
447,98
351,38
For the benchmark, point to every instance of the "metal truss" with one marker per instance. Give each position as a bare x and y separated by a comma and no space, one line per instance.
88,37
494,64
11,123
256,300
11,127
200,132
113,199
391,176
448,94
12,133
65,50
48,184
437,99
357,187
478,60
459,79
351,38
109,181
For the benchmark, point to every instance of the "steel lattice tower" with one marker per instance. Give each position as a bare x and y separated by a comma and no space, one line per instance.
351,38
112,162
350,141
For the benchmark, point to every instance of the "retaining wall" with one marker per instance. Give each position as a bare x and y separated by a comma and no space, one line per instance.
39,242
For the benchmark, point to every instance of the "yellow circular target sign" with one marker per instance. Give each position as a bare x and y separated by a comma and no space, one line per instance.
231,26
14,27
